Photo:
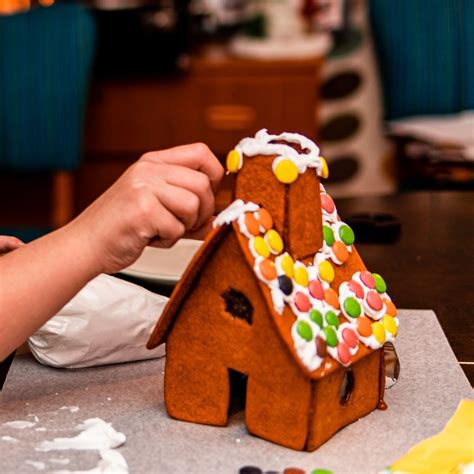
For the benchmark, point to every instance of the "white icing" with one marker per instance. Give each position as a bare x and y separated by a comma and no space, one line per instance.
62,461
19,424
112,462
260,145
9,439
233,211
72,409
40,466
95,434
41,428
306,350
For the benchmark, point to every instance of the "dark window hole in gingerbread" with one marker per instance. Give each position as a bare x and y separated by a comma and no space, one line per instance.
238,305
347,387
238,391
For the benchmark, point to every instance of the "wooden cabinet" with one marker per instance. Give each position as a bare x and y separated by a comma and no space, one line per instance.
218,100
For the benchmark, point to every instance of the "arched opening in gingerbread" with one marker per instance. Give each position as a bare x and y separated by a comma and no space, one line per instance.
238,305
347,387
238,392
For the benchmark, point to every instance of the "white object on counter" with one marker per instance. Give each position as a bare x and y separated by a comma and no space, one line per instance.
108,321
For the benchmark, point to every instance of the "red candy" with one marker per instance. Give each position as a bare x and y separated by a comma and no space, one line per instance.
327,203
302,302
344,353
374,300
356,288
367,279
350,337
316,290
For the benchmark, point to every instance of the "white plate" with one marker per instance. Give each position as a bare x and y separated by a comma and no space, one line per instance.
164,266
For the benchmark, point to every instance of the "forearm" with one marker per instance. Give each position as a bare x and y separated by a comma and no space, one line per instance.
37,280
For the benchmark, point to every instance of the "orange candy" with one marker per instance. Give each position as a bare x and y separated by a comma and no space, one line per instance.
364,326
252,224
330,296
267,269
264,218
340,251
391,309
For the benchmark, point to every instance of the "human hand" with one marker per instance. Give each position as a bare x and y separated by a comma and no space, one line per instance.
7,244
159,199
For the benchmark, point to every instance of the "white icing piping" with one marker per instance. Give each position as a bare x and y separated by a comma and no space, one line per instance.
233,212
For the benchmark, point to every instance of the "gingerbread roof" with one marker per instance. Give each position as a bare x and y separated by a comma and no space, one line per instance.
326,313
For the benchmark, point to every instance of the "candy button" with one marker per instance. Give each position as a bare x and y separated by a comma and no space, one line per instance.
364,326
389,324
344,353
285,284
390,308
316,317
330,336
301,276
327,203
321,471
346,234
380,284
264,218
287,266
302,302
250,470
331,298
286,171
251,223
367,279
350,337
293,470
379,332
261,247
304,330
324,168
321,346
328,235
340,251
267,269
331,319
352,307
326,271
273,239
233,161
316,290
356,288
374,300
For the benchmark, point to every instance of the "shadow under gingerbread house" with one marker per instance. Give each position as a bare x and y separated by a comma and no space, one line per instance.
278,293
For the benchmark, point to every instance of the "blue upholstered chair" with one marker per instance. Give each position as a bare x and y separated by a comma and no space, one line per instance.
46,56
426,55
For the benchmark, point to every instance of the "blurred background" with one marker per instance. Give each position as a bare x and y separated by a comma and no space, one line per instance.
384,87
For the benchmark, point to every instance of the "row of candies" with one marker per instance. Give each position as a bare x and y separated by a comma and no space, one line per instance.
288,470
370,316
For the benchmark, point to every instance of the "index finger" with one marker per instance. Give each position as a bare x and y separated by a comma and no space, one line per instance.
196,156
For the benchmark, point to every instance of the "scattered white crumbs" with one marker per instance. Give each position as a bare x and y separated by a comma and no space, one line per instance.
40,466
62,461
9,439
19,424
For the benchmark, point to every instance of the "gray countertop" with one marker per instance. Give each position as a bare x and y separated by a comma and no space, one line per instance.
131,397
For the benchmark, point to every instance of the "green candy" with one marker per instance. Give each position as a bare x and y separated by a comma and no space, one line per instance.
346,234
330,336
304,330
328,235
332,319
316,317
321,471
380,284
352,307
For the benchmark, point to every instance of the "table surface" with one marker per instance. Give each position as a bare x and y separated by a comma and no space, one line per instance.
431,265
130,396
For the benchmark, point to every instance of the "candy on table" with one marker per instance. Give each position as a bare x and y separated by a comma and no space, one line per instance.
294,470
250,470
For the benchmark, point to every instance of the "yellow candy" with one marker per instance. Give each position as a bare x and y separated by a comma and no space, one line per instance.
287,266
261,247
286,171
389,324
273,239
326,271
324,168
301,276
233,161
379,332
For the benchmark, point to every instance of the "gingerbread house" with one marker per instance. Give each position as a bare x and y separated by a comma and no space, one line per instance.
279,294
